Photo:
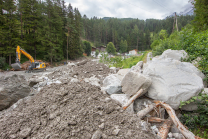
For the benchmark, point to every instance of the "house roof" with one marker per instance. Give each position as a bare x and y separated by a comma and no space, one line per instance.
134,50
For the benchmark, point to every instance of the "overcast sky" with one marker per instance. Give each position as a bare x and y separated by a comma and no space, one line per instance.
141,9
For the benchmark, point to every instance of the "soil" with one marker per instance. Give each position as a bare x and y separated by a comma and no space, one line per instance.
75,110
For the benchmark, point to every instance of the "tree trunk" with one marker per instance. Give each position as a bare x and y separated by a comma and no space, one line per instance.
165,129
21,26
131,100
188,134
145,111
137,42
10,59
67,46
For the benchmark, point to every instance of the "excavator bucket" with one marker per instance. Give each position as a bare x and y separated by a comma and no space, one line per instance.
16,66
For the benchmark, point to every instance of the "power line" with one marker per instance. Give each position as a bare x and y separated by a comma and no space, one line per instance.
160,4
136,6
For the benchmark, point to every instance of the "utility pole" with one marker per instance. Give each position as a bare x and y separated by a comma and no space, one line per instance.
175,21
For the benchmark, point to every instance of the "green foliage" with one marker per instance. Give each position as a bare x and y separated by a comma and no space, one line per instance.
116,61
104,58
163,34
96,53
2,62
111,48
154,44
201,118
201,20
88,48
123,46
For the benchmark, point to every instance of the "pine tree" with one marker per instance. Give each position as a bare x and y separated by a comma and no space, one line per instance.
11,29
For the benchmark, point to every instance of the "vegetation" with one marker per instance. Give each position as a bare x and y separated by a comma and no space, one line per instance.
48,29
87,47
122,62
193,38
111,48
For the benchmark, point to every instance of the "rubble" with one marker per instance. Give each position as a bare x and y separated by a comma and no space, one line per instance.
85,100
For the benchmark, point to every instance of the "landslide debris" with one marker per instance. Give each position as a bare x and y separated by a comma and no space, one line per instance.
73,110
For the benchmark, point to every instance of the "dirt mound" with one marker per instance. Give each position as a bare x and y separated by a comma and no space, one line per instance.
90,69
74,110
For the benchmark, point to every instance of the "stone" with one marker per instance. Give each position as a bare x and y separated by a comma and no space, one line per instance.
122,99
121,73
71,64
173,81
25,132
113,70
97,135
112,85
12,89
174,129
133,81
115,132
102,126
33,82
174,54
137,67
140,104
93,81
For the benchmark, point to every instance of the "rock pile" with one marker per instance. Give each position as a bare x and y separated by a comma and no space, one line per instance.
71,110
162,79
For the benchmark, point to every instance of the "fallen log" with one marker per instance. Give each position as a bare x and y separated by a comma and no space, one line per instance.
186,133
163,132
154,120
145,111
131,100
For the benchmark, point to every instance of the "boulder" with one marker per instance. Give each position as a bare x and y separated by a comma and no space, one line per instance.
122,99
133,81
137,67
93,81
12,89
174,54
121,73
173,81
112,85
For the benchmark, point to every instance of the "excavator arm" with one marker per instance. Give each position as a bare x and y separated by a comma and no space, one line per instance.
20,51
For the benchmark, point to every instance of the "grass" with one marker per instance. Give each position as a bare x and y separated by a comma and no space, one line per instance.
129,62
201,132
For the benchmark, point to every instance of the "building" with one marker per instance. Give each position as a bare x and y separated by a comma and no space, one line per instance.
133,52
93,51
101,48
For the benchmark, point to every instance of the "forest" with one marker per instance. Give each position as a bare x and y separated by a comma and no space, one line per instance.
52,31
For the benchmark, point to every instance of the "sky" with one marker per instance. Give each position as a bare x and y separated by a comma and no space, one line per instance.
141,9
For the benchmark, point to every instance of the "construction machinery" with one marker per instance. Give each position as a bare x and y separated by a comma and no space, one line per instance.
34,65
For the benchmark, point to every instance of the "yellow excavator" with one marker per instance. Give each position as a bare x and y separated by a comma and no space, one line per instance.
34,65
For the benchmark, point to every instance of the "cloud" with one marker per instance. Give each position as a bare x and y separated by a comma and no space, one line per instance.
141,9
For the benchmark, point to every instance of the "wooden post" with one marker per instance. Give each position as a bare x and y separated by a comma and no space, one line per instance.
131,100
163,132
145,111
186,133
